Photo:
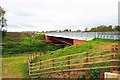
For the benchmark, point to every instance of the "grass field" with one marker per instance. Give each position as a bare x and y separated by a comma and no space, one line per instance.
15,66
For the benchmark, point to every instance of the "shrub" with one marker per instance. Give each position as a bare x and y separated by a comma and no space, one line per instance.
40,43
39,36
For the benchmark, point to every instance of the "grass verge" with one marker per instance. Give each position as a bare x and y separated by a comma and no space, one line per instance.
15,67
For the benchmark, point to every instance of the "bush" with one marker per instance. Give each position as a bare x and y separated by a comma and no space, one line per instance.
40,44
26,42
39,36
50,47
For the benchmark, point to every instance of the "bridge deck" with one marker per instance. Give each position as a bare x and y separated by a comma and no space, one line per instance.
86,35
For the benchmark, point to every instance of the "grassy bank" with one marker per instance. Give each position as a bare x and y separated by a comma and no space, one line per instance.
93,46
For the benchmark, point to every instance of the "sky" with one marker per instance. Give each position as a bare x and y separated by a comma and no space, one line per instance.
46,15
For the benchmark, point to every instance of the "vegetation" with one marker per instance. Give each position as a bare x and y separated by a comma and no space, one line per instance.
2,18
15,66
67,30
20,60
90,46
103,28
94,47
2,23
83,77
22,42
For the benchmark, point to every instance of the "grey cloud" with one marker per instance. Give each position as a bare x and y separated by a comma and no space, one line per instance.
59,14
14,26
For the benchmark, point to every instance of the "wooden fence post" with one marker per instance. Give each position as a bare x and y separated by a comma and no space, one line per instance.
40,64
29,61
53,63
102,74
112,57
113,63
86,72
116,57
40,54
68,62
34,55
31,56
28,57
29,67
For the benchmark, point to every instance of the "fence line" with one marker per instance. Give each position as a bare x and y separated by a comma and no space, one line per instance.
74,62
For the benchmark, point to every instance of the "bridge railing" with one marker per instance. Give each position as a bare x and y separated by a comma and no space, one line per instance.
84,35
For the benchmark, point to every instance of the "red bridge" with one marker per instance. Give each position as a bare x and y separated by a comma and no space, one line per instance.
70,38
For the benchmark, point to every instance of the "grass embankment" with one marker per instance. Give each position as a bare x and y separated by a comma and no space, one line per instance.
93,46
15,66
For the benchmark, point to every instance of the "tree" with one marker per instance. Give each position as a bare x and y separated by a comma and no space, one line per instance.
2,22
102,28
117,28
60,31
93,29
86,29
78,30
2,18
66,30
110,28
69,30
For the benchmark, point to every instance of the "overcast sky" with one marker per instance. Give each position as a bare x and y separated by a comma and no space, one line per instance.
44,15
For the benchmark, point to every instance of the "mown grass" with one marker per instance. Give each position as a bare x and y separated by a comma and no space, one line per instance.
15,66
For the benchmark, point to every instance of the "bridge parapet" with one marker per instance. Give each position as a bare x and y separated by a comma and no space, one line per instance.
108,35
87,35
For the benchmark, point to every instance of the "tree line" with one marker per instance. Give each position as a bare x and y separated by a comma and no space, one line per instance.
101,28
104,28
